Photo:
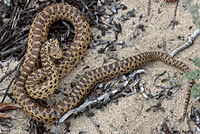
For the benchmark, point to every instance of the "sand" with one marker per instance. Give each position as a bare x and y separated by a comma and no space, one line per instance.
128,115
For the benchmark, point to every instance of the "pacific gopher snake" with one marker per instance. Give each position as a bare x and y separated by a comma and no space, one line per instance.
38,35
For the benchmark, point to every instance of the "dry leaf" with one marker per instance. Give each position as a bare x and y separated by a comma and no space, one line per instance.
7,106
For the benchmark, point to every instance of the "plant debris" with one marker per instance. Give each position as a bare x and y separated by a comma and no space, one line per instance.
15,22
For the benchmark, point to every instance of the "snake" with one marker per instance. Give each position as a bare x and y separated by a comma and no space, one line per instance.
43,81
38,36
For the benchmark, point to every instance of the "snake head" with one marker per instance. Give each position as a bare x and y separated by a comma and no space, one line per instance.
55,50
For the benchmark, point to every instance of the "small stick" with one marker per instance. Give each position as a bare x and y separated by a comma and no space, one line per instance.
187,44
2,64
11,50
149,8
95,124
174,22
18,66
109,25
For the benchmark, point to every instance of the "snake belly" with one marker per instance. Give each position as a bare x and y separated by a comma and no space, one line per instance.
38,35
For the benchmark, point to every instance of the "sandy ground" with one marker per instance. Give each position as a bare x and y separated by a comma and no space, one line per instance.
128,115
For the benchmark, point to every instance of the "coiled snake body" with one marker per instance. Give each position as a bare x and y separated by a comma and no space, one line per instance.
37,37
42,82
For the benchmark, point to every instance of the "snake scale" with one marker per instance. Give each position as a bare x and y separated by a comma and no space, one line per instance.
42,82
38,36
